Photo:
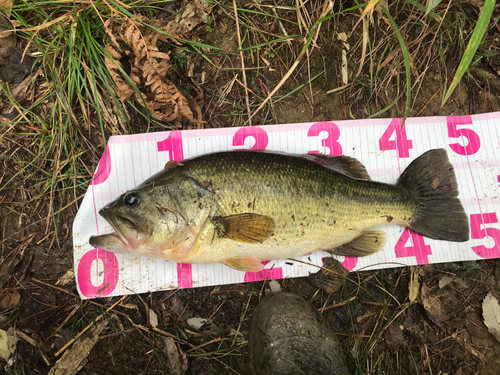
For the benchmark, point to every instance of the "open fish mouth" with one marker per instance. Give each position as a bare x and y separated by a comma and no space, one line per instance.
129,233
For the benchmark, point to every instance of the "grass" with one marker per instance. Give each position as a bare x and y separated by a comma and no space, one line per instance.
70,106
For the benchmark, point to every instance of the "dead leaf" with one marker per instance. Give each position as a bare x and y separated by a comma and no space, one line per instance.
8,340
274,286
414,285
129,38
393,337
177,359
70,362
491,315
331,277
6,7
153,318
9,298
196,323
66,278
432,305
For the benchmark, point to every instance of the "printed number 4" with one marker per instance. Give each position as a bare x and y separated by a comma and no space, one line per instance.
402,144
419,249
476,222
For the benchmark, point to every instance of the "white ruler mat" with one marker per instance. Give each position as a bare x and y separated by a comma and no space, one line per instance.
472,143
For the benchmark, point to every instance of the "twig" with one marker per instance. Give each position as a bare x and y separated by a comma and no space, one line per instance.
247,101
89,326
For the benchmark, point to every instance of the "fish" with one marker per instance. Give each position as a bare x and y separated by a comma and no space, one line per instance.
241,208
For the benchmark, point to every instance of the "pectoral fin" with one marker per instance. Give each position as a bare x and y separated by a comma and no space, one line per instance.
366,243
249,228
244,264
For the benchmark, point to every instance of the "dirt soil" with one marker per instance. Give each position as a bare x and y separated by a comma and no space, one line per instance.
440,332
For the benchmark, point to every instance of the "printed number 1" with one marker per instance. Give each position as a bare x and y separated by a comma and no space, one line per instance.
402,144
173,144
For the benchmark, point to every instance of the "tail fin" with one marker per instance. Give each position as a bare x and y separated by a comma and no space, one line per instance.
440,215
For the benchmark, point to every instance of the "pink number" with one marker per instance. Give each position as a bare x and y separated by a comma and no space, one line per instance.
402,144
331,141
349,263
184,275
173,144
478,220
103,169
473,141
419,249
110,273
259,134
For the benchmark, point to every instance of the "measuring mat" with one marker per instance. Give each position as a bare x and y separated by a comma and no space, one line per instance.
472,144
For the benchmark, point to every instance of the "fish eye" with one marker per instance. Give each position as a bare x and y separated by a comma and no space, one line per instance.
132,199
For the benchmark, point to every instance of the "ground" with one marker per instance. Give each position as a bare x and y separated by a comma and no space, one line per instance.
56,113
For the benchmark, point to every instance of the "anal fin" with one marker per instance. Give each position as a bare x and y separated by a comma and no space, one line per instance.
366,243
248,227
244,264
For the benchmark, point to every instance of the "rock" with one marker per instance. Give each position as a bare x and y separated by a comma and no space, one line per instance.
289,336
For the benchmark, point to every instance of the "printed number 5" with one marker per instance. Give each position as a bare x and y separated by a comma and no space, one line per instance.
473,141
478,220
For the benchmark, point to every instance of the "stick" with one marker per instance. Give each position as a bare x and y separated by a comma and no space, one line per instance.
87,328
247,101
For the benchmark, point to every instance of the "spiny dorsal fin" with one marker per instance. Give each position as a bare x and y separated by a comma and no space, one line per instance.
366,243
249,228
341,164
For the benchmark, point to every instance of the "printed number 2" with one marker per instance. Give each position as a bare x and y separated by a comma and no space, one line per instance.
473,141
418,250
476,222
402,144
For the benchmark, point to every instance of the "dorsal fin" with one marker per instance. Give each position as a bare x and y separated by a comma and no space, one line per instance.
342,164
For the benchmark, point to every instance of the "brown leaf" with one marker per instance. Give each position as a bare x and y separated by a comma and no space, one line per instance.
148,67
9,298
177,359
393,337
6,6
70,362
432,305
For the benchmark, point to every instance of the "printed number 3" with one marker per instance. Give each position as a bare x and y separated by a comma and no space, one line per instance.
476,222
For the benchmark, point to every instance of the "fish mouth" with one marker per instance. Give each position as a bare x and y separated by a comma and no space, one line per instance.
130,231
115,222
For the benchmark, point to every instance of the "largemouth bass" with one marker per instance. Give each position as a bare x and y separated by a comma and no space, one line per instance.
240,208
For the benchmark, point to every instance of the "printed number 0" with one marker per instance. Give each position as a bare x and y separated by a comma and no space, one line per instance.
478,220
110,273
473,141
331,141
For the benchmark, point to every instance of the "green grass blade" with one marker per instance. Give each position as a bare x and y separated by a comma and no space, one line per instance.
475,40
406,56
